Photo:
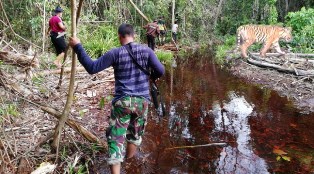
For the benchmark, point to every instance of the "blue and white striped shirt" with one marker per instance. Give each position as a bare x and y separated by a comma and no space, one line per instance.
129,79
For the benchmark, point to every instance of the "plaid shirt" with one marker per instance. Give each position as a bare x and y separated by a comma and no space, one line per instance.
129,79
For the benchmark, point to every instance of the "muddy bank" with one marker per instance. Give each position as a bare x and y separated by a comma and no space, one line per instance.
298,89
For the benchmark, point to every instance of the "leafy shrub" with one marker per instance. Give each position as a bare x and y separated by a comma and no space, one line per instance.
302,23
221,50
100,40
298,20
165,56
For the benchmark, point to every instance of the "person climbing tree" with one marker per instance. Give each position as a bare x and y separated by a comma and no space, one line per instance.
152,31
131,98
57,34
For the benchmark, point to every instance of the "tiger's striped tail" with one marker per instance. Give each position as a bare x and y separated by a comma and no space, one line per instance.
239,38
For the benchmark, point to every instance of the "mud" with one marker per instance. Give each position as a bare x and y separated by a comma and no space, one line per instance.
298,89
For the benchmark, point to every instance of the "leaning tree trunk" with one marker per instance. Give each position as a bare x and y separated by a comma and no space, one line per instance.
66,111
139,11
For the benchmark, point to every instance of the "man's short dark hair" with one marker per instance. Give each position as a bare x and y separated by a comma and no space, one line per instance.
126,29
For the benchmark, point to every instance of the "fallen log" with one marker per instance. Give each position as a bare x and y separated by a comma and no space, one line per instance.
287,54
20,60
74,125
10,84
292,70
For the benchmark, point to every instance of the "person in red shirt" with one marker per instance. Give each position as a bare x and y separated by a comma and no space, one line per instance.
57,34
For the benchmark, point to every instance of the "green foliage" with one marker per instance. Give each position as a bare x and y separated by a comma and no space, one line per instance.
227,46
298,20
82,112
100,40
102,103
165,56
96,148
302,23
273,16
64,153
9,110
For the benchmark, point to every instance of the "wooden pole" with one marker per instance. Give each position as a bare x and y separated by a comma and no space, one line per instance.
66,111
67,48
173,15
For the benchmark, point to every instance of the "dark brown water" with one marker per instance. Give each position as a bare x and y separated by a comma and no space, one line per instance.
263,131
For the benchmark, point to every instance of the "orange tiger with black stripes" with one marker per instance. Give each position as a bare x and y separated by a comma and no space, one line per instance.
267,34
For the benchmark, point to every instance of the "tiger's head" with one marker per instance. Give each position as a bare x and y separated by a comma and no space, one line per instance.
285,34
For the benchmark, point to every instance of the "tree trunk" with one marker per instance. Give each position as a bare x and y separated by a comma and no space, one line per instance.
66,111
44,27
219,8
173,15
139,11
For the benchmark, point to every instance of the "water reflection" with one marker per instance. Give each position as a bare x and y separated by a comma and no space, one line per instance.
233,119
179,124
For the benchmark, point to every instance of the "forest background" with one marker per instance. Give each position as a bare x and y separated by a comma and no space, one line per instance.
201,22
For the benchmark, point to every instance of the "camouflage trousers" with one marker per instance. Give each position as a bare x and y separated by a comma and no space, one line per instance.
127,123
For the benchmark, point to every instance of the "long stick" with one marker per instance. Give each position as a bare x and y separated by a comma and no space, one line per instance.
66,111
67,48
202,145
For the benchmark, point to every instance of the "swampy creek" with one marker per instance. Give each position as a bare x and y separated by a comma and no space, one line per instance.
263,131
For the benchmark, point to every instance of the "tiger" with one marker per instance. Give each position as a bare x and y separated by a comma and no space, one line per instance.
269,35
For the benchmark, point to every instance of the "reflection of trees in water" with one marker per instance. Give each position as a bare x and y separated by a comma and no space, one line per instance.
240,159
192,94
192,91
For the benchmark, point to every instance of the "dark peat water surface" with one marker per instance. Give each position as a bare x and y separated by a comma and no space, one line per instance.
263,132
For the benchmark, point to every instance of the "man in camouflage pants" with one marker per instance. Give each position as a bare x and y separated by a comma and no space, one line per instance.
131,99
128,120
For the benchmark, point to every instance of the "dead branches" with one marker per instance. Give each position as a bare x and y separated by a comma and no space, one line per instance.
22,92
74,125
10,84
19,60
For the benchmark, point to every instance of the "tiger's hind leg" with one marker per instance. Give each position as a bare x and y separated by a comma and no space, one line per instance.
244,48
